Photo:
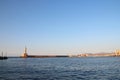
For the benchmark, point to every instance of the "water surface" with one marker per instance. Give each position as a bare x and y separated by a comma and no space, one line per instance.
106,68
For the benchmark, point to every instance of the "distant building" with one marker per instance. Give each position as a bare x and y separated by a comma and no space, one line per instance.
117,52
24,55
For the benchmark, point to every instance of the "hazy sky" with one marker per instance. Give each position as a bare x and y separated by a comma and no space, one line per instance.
59,26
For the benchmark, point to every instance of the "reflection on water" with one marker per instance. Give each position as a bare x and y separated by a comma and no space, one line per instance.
107,68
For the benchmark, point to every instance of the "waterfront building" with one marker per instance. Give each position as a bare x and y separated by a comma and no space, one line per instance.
117,52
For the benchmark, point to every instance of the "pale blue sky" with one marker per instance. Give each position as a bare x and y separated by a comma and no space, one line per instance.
59,26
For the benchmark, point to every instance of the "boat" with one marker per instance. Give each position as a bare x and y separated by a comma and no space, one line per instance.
3,57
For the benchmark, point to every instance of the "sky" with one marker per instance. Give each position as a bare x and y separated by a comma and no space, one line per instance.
59,26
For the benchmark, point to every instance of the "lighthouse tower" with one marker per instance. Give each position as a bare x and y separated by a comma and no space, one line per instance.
25,55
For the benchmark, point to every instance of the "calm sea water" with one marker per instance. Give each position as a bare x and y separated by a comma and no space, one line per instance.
107,68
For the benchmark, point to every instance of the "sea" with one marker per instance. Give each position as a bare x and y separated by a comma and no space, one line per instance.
87,68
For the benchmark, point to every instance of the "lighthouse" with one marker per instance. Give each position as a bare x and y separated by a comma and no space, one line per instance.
24,55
